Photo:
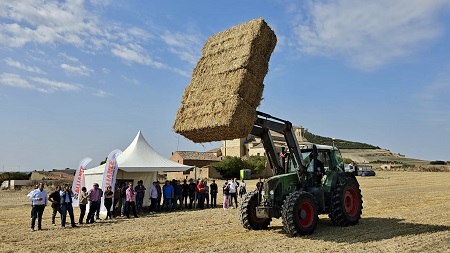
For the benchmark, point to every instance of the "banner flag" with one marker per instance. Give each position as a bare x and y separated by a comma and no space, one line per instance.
111,168
78,180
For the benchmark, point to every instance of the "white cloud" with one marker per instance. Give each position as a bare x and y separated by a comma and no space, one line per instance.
135,53
68,57
184,45
44,22
82,70
130,80
55,85
80,24
45,85
368,34
101,93
106,71
19,65
15,80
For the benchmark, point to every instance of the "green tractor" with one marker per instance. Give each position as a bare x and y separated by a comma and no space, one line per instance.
308,180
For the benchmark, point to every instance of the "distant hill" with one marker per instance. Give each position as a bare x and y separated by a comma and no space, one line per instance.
341,144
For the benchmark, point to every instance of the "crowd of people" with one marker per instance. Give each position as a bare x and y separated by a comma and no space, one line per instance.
125,198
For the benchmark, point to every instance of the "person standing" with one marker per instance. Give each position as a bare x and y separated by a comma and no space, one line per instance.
39,200
225,183
66,206
123,195
185,193
116,199
259,185
201,194
108,201
242,188
93,197
168,192
178,196
213,190
153,198
206,193
158,200
82,202
55,198
131,196
233,192
140,193
99,203
192,189
226,195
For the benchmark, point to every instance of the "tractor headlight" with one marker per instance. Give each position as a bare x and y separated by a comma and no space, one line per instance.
271,192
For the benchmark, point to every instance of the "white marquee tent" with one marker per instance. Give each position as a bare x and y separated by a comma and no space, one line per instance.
139,161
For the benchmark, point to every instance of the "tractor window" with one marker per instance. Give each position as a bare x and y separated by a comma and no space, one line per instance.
307,160
337,160
324,157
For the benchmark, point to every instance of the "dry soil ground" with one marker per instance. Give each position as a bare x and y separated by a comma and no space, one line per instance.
403,212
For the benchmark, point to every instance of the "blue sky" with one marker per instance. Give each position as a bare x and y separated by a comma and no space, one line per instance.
81,78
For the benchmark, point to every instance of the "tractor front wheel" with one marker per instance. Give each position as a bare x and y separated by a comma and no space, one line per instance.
347,204
300,213
247,212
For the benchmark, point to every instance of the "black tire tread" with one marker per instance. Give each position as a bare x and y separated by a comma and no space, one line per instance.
245,213
338,215
287,214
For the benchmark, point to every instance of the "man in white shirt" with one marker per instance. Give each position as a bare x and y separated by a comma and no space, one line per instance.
39,200
233,192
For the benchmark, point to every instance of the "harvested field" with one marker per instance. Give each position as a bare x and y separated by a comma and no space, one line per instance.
403,212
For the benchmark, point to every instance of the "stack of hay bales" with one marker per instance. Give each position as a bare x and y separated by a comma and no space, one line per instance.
227,84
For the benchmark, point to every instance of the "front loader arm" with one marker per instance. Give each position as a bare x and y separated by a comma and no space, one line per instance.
265,123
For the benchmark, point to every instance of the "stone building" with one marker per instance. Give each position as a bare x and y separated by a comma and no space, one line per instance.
252,146
201,160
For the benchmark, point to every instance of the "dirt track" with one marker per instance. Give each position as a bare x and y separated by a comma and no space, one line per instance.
403,212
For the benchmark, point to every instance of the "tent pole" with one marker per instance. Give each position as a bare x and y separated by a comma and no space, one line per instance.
195,180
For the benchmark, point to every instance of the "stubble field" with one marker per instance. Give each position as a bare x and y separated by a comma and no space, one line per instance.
403,212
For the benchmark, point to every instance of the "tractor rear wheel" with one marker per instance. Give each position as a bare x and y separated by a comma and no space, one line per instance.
347,204
300,213
247,212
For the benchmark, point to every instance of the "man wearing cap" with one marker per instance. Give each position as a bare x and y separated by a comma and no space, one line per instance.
39,200
94,198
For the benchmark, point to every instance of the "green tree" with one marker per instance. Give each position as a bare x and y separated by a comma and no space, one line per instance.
230,166
104,161
14,176
257,163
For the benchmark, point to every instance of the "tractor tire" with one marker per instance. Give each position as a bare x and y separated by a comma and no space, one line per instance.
347,202
300,214
247,212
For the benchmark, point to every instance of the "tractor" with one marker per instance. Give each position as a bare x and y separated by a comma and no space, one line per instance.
308,180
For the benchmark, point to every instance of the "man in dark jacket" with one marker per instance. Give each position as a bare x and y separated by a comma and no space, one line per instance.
213,189
55,198
192,189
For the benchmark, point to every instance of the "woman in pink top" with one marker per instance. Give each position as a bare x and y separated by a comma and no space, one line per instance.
131,194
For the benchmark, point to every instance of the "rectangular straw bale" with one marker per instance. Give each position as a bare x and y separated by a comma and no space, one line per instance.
252,38
227,84
239,82
223,118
